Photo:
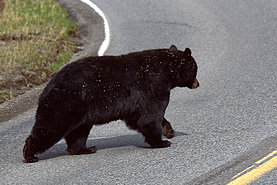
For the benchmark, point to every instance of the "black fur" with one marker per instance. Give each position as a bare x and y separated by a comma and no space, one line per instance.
134,88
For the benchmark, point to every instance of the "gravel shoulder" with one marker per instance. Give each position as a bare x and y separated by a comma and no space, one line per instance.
91,36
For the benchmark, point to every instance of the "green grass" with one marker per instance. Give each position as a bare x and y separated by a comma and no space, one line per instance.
34,34
61,60
5,95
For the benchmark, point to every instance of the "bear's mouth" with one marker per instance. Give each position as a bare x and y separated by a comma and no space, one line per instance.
195,84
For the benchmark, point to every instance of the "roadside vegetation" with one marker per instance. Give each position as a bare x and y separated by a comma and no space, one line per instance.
35,41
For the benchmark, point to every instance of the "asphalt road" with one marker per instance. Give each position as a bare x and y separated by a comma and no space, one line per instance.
223,127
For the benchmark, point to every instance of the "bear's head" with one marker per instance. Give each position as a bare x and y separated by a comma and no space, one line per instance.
187,68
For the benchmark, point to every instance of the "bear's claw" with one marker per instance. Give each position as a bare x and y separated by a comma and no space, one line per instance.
167,130
162,144
28,154
31,159
89,150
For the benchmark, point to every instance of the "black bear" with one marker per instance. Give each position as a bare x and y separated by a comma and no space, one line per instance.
134,88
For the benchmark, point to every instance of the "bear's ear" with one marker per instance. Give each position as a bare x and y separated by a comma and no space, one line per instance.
187,52
173,48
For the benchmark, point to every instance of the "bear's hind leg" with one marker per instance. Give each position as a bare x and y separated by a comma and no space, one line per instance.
29,151
76,141
39,141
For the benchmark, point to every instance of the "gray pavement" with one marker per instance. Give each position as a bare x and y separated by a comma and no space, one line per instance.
218,126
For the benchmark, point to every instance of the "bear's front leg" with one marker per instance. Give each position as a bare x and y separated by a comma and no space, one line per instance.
152,132
167,129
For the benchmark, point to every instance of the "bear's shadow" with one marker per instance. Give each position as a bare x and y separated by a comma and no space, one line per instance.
136,140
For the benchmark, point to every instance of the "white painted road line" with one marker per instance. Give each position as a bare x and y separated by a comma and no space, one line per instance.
106,41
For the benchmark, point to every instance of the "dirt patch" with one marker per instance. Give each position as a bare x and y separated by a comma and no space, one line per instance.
18,80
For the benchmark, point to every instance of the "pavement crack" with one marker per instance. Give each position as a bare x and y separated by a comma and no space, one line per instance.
169,23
